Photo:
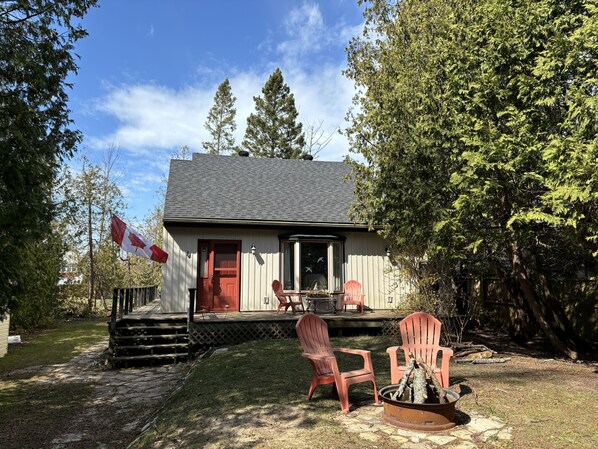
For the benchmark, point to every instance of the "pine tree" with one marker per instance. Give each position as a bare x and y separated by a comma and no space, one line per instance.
272,131
221,121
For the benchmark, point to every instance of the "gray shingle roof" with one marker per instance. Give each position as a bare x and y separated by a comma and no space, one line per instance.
230,189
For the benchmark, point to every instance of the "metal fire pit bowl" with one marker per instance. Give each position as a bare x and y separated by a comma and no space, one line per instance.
427,417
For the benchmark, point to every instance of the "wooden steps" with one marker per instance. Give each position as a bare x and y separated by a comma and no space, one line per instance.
148,341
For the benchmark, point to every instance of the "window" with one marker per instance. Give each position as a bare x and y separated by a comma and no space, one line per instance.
203,262
314,265
312,262
337,266
288,257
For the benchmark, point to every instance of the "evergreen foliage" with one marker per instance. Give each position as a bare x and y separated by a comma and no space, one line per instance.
221,121
272,130
39,299
477,122
36,55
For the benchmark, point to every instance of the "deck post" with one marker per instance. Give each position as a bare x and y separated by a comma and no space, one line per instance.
121,300
129,301
191,311
192,294
114,306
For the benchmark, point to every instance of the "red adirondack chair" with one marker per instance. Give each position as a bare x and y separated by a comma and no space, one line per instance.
312,332
420,334
286,299
352,295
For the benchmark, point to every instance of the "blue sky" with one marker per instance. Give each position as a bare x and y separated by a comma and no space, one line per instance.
149,70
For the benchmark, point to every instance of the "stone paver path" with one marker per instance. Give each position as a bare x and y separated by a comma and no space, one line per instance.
472,430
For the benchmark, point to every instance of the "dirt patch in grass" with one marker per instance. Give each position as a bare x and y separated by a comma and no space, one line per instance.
549,401
246,427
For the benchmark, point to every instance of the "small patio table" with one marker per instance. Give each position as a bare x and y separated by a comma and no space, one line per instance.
326,304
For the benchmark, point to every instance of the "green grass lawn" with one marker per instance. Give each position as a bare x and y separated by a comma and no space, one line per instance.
54,345
32,414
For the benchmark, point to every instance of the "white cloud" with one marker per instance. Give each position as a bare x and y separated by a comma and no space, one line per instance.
305,28
308,34
153,116
323,96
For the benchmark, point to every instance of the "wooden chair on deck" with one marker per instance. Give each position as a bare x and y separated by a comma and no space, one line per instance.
352,295
420,335
286,299
312,332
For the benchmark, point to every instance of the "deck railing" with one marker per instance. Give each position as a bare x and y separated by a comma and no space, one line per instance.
125,300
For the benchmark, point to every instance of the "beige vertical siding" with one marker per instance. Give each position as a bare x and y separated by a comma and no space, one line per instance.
179,273
4,325
365,261
257,271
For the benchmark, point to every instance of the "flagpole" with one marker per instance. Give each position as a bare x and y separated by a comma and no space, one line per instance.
113,255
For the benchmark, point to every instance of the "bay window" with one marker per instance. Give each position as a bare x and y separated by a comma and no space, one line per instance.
312,262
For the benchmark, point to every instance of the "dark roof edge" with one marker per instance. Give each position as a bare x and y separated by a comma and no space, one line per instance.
199,221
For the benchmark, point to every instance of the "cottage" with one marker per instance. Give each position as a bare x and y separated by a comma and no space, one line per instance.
234,224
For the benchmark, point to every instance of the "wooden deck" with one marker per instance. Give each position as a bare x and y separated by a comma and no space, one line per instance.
267,324
146,327
153,310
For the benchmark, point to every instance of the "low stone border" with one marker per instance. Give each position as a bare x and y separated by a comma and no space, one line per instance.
471,428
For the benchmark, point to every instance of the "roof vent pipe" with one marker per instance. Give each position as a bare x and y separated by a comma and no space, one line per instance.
243,153
308,157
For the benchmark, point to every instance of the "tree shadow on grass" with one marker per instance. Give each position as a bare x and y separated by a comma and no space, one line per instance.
251,395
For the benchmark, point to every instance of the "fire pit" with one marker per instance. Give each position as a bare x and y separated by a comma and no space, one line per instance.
427,417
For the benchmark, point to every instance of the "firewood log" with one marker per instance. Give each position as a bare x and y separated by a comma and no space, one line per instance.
398,394
483,361
478,355
458,347
419,386
496,360
473,350
435,384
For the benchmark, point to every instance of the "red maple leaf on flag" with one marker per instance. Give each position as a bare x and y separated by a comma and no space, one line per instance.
136,241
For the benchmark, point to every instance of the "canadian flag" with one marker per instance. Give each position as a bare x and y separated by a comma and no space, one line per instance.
132,242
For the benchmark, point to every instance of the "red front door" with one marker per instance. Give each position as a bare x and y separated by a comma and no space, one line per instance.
218,275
